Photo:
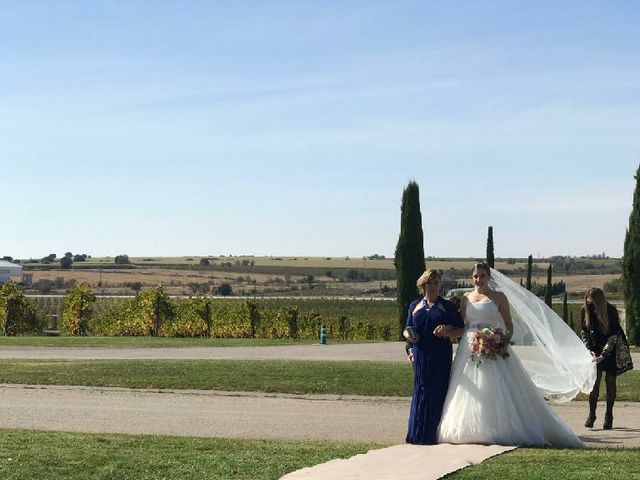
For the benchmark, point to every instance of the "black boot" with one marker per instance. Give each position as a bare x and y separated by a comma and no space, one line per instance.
590,419
611,399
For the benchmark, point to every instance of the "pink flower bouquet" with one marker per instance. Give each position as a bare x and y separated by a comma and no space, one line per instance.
487,343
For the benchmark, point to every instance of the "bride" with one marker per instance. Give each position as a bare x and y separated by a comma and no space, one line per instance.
499,399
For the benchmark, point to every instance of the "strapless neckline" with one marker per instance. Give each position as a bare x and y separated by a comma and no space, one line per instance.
484,301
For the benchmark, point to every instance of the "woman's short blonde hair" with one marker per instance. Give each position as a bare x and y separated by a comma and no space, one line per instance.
425,277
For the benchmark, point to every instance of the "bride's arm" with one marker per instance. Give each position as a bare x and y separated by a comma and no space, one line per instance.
505,313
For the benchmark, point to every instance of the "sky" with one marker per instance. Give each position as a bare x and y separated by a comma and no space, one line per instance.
170,128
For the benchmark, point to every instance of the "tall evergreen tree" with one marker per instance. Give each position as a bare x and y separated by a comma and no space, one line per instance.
490,257
571,322
565,309
409,256
529,268
547,292
631,269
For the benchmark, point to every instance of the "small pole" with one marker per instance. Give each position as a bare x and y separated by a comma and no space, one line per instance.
323,334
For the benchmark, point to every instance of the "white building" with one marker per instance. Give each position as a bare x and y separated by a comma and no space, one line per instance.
10,271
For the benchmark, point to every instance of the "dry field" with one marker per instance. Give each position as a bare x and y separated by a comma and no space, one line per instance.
309,262
177,282
577,283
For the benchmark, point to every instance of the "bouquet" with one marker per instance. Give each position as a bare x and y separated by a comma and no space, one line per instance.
487,343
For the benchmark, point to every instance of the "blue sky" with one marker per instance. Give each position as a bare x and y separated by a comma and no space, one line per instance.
291,128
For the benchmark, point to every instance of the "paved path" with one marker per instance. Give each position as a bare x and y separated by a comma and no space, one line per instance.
250,415
384,352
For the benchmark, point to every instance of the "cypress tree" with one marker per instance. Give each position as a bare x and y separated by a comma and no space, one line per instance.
565,309
571,322
409,256
529,268
547,292
631,269
490,258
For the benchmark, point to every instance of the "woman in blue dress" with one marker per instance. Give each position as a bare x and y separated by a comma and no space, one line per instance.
429,321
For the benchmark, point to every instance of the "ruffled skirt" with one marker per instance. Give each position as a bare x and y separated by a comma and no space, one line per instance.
496,403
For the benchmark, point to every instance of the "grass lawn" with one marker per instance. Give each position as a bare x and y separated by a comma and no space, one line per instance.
628,387
28,454
76,456
548,464
286,376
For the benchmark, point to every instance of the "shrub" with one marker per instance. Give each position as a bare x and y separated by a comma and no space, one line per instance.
224,289
614,286
232,322
17,314
192,319
78,308
122,260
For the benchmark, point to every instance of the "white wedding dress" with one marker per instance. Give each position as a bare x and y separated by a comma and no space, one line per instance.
496,402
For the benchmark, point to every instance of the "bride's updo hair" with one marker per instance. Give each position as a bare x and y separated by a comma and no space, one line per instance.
481,266
425,277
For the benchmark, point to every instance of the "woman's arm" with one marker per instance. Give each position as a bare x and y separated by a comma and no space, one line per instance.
453,331
614,330
409,323
448,331
614,320
505,313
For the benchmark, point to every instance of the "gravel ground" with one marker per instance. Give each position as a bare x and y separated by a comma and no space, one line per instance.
245,415
250,415
384,352
266,416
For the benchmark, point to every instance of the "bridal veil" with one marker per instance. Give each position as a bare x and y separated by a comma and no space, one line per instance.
556,359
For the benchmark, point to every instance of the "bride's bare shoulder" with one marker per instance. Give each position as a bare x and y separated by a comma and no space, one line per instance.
500,298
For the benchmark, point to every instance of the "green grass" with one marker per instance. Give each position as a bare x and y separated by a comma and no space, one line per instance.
628,387
37,455
79,456
285,376
547,464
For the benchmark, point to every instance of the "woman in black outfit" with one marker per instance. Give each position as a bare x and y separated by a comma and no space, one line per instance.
600,322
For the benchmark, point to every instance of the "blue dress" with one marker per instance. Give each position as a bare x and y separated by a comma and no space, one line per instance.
431,368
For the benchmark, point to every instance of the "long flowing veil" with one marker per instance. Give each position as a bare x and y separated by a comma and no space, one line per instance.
556,359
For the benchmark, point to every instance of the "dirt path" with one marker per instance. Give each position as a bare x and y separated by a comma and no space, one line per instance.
382,352
249,415
386,351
